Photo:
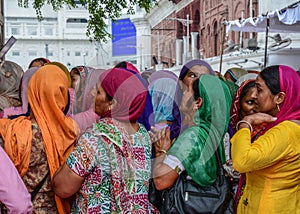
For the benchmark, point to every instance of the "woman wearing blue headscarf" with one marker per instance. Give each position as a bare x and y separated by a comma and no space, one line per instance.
162,86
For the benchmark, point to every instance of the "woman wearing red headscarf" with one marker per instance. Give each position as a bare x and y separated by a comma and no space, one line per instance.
110,168
272,161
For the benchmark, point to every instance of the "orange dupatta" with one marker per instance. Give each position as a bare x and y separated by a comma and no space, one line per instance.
48,97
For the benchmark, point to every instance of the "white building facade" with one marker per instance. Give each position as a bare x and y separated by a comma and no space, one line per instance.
60,36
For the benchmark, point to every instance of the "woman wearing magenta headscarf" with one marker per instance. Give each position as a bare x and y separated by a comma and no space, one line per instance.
111,166
146,117
188,74
272,161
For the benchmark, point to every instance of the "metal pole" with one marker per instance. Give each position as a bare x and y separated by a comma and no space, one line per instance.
223,26
266,42
188,34
250,14
241,32
158,48
47,51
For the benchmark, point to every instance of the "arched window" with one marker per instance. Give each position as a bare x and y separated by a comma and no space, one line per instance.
216,36
196,21
179,30
208,47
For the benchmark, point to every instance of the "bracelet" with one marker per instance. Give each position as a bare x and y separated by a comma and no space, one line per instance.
244,121
162,150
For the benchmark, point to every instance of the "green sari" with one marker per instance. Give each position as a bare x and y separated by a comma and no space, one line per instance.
196,146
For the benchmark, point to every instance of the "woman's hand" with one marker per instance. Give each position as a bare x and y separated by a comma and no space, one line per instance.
259,118
155,134
164,142
161,138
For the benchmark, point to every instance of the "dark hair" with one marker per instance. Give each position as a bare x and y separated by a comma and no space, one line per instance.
42,60
121,65
108,97
146,75
75,69
246,88
271,77
196,89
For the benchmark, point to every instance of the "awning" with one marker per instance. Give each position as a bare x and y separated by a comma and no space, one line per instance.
286,20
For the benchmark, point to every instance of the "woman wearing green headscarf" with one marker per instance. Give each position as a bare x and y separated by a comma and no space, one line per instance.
194,149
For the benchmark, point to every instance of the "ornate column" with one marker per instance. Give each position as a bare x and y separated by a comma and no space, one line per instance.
143,40
185,53
179,44
195,53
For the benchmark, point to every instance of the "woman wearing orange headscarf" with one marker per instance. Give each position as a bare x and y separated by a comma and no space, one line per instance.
40,143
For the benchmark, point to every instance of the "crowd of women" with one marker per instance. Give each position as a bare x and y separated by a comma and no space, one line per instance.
89,140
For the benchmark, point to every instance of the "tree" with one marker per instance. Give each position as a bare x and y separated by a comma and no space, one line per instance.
100,11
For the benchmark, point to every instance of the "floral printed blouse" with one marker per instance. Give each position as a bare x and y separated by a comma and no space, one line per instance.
116,167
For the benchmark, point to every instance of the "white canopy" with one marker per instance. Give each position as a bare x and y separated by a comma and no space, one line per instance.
286,20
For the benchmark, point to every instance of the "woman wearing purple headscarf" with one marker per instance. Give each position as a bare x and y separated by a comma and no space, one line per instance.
272,161
188,74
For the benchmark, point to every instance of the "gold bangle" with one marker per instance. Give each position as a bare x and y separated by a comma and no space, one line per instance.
244,121
162,150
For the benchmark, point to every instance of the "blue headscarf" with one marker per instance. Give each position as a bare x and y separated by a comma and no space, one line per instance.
162,86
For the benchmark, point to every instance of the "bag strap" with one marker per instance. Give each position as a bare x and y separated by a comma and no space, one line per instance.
219,162
38,187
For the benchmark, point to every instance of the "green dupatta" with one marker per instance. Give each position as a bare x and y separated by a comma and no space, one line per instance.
195,147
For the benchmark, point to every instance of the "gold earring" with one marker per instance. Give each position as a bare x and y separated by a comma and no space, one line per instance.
278,107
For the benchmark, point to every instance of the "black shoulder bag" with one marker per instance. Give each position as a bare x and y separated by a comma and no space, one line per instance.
186,196
39,186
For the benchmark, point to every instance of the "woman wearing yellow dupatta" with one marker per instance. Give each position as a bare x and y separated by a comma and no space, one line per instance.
40,143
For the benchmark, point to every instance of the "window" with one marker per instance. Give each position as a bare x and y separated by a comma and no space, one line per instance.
77,53
50,53
32,31
68,53
76,23
15,31
49,31
15,53
32,53
76,20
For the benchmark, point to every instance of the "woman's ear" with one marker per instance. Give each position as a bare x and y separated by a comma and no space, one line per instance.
113,103
197,103
279,98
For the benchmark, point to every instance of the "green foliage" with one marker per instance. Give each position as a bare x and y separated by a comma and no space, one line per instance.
99,11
